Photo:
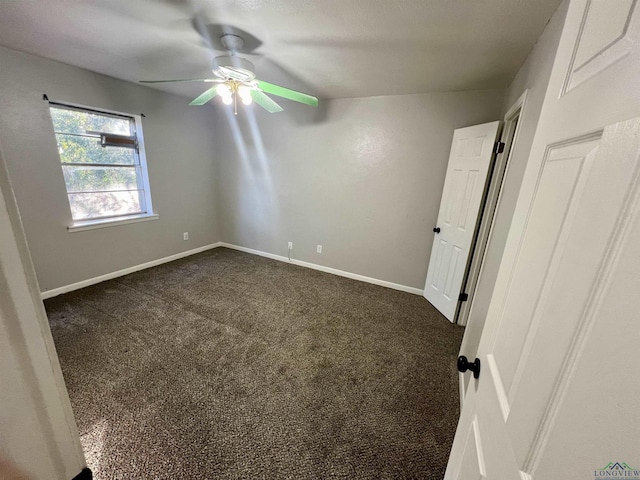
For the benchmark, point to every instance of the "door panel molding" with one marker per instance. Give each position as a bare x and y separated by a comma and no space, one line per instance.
469,190
565,152
610,146
473,466
503,398
518,251
453,266
608,50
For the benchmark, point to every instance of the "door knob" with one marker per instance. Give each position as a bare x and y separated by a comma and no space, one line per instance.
464,365
436,230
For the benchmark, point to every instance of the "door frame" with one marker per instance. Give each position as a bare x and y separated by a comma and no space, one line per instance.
491,202
51,445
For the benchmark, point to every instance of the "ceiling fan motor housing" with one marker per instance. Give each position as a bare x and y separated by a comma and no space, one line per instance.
223,64
231,42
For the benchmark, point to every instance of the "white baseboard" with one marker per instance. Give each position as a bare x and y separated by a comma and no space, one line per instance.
108,276
322,268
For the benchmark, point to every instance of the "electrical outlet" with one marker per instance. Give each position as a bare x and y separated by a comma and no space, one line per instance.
319,249
185,236
290,245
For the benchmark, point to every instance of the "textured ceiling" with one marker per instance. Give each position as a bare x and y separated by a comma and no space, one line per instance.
331,48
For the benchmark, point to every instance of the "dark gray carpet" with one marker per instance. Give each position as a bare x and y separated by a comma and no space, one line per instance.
226,365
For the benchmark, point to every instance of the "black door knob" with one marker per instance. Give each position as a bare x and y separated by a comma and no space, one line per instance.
464,365
436,230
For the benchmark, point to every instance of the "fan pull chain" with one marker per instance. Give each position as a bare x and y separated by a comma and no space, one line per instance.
235,103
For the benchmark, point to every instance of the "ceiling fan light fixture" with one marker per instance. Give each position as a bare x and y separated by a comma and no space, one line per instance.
245,94
223,90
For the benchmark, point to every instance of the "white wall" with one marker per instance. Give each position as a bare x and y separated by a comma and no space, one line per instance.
362,177
37,429
180,154
534,77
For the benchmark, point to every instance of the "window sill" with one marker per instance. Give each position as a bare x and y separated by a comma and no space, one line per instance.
111,222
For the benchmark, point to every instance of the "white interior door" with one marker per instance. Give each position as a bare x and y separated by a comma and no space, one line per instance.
554,398
471,153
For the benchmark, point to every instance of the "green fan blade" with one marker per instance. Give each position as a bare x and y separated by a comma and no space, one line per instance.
265,102
205,97
183,80
287,93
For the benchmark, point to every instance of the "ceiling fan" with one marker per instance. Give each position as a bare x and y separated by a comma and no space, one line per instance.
235,77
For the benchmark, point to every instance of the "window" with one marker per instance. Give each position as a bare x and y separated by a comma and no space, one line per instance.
104,171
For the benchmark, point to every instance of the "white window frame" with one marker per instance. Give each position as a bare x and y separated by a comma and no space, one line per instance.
90,224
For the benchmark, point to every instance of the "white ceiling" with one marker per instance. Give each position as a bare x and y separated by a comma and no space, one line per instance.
331,48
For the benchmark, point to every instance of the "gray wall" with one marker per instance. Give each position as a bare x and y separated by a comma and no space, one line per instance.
362,177
534,76
180,154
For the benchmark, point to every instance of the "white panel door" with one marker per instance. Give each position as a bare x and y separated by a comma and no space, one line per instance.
555,398
471,153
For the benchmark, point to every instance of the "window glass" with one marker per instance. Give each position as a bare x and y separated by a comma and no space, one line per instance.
103,181
70,120
77,149
104,204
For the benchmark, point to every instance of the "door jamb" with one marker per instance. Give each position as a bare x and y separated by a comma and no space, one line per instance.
513,121
24,323
499,173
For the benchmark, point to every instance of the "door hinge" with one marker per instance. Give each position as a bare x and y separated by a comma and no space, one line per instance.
463,297
499,147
